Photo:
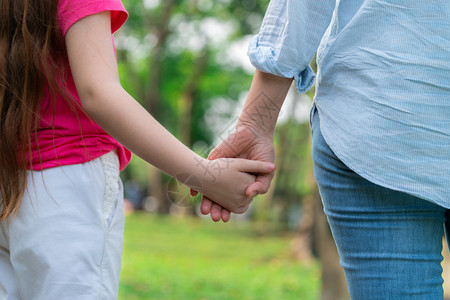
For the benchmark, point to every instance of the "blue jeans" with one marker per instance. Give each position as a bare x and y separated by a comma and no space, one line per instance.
389,242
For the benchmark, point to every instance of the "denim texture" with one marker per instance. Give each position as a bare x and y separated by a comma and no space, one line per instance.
389,242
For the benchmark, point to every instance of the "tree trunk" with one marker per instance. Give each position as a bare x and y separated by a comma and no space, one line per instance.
185,111
186,101
152,99
302,244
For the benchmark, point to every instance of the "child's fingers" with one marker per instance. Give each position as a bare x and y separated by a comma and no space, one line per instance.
254,166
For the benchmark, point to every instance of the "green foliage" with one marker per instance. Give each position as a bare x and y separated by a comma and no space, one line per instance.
185,258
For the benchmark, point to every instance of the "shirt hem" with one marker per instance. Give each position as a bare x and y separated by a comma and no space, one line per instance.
348,162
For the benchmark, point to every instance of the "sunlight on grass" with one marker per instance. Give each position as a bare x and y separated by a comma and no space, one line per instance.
187,258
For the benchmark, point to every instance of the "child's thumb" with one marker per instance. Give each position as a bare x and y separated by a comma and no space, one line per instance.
254,166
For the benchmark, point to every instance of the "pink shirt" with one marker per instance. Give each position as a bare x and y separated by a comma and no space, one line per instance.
67,139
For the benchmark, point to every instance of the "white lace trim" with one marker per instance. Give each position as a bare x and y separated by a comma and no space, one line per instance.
111,165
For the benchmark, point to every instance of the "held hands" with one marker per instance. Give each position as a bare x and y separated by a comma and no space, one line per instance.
253,138
226,180
243,143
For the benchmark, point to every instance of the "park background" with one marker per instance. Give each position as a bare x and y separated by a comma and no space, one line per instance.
185,62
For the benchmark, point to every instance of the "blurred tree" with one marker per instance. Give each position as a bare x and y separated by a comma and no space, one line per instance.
293,166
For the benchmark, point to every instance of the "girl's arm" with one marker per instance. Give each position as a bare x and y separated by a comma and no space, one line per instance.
94,69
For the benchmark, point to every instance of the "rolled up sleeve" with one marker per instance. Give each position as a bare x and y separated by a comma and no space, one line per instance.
289,37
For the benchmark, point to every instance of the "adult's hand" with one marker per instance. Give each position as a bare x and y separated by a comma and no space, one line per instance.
253,137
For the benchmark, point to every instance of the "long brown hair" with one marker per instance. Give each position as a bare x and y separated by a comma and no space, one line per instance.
31,52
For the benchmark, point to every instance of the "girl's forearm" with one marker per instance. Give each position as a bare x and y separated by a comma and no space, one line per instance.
131,125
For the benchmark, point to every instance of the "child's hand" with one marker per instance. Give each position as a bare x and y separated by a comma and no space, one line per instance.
225,180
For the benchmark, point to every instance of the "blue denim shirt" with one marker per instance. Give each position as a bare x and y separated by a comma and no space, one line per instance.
383,86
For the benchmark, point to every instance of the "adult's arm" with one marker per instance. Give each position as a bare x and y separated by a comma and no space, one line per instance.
287,41
253,137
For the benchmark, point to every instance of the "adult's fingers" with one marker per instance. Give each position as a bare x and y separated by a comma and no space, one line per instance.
216,212
206,205
260,186
225,215
233,145
223,150
193,193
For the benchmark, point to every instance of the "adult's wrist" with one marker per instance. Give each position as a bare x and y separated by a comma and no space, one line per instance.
256,128
263,103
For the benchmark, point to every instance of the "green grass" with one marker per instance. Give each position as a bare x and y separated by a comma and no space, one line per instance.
187,258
